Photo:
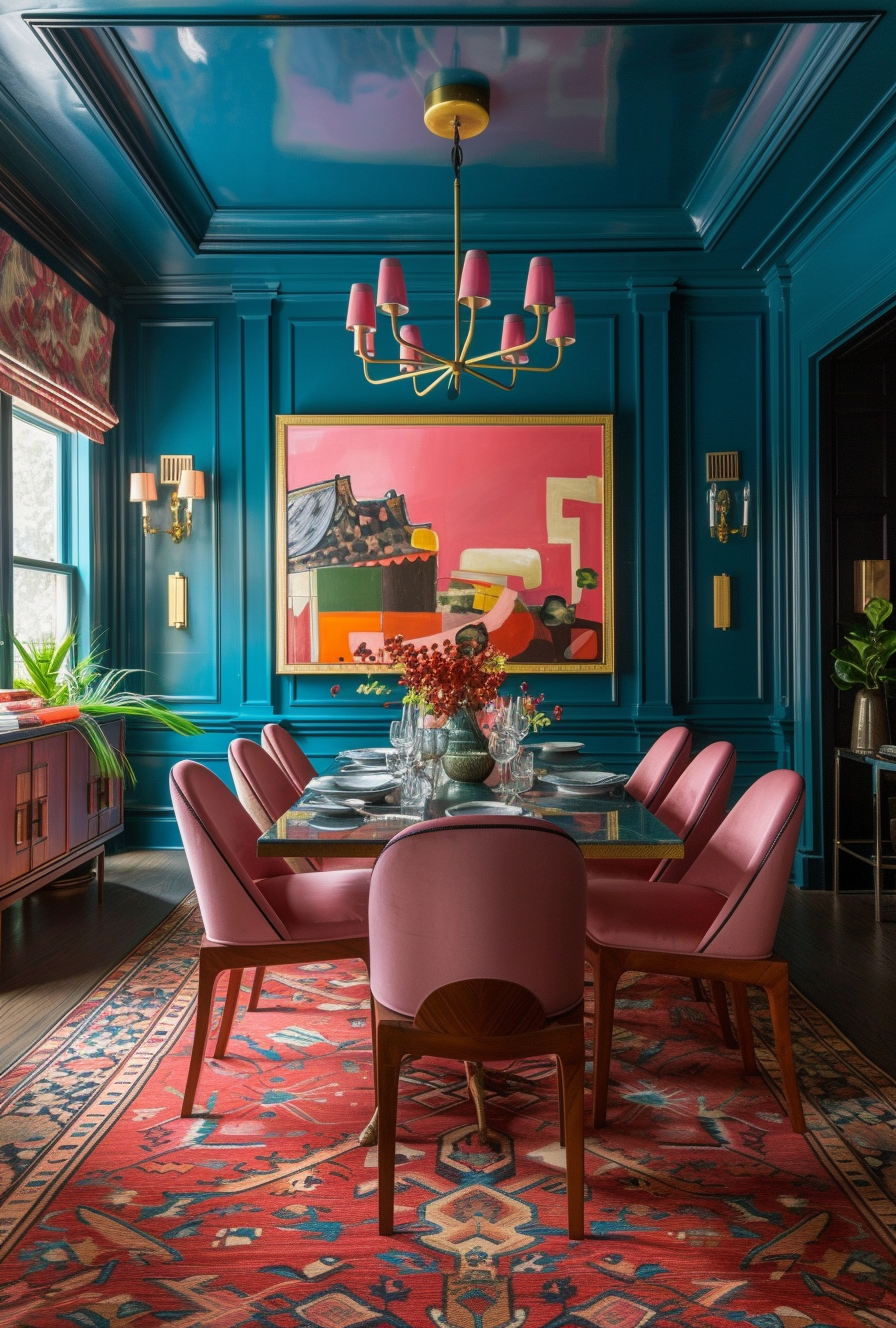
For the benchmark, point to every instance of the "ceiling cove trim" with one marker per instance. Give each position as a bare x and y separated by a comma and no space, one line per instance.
97,62
800,67
315,230
448,16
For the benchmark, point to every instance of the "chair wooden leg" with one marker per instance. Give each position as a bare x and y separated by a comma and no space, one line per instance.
101,873
572,1074
697,989
561,1102
208,978
257,984
741,1003
777,988
720,1004
228,1013
388,1053
608,966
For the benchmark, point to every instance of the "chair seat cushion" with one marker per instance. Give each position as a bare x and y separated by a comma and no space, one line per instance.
327,905
621,869
651,915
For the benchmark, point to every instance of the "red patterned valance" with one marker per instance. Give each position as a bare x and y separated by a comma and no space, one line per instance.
55,346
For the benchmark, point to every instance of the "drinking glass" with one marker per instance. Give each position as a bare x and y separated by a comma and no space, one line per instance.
522,770
503,745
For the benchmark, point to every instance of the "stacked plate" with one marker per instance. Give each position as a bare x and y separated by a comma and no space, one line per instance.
584,781
375,756
485,809
372,787
552,751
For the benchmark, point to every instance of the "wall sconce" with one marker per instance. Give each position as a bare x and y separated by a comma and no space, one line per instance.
871,580
721,602
177,600
187,483
725,466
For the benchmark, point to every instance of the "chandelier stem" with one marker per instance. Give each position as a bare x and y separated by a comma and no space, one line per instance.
457,157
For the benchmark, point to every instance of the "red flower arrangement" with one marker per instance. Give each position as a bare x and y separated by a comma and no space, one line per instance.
447,678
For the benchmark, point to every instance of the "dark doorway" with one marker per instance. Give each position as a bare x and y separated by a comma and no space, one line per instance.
857,431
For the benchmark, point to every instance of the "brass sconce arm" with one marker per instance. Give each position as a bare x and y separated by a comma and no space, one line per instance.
190,484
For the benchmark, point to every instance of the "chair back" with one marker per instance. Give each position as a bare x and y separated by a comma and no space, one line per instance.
749,859
219,839
457,899
261,786
696,806
284,749
660,768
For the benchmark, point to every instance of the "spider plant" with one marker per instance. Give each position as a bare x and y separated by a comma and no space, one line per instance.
98,692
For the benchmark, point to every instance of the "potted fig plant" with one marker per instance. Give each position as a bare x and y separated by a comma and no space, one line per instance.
863,661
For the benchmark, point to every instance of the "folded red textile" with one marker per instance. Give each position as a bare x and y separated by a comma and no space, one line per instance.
16,694
15,707
58,714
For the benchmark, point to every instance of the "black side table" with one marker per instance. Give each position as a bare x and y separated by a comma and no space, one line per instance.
873,853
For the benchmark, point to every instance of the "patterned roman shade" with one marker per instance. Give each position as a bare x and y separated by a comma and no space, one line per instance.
55,346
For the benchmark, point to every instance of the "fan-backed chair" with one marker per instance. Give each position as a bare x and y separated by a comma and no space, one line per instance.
476,944
284,749
718,922
660,768
255,911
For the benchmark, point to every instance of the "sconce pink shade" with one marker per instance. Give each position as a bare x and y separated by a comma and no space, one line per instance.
410,332
561,323
361,309
391,292
514,334
192,484
539,286
143,487
475,280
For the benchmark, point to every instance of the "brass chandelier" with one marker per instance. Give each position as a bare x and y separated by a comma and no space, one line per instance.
456,106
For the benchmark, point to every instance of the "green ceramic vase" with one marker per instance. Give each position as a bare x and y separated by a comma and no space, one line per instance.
467,760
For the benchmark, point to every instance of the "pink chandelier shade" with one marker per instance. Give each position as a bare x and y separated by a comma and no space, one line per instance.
410,358
475,281
361,308
561,323
391,292
514,334
539,287
143,487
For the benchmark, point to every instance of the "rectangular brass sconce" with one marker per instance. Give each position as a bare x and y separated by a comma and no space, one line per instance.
871,580
177,600
721,602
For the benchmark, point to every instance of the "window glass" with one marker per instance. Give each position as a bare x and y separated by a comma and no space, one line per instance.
40,606
35,492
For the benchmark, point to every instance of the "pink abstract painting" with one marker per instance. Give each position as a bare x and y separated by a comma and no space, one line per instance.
432,526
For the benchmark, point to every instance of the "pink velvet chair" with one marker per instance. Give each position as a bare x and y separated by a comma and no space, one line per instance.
660,768
717,922
476,946
284,749
693,810
255,911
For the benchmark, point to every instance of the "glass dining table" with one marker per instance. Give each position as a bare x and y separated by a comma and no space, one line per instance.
611,825
608,825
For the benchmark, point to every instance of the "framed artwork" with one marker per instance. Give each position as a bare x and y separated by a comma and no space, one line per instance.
429,526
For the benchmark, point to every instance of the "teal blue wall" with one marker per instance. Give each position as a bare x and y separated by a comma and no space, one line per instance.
682,369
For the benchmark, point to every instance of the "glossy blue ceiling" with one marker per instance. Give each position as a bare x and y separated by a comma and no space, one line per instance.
286,117
155,146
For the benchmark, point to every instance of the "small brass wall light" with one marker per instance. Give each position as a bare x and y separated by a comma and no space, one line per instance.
187,484
721,602
722,467
177,600
871,580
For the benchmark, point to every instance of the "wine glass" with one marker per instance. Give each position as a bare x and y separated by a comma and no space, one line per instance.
503,745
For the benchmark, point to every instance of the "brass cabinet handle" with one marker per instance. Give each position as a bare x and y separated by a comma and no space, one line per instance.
22,823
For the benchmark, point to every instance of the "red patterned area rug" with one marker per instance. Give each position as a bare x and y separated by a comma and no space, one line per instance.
703,1208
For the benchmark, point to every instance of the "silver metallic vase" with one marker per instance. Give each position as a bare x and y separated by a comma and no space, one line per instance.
870,724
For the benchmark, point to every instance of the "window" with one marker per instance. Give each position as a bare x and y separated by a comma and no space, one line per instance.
38,527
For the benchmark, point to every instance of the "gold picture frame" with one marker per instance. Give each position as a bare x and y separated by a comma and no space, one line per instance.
327,459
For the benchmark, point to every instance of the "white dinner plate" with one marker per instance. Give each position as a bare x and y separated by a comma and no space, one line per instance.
374,789
366,755
560,748
584,781
485,809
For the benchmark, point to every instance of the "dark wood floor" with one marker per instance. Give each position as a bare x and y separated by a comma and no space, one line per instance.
57,944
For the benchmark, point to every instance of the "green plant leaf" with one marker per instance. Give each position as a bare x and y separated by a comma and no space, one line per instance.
877,611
